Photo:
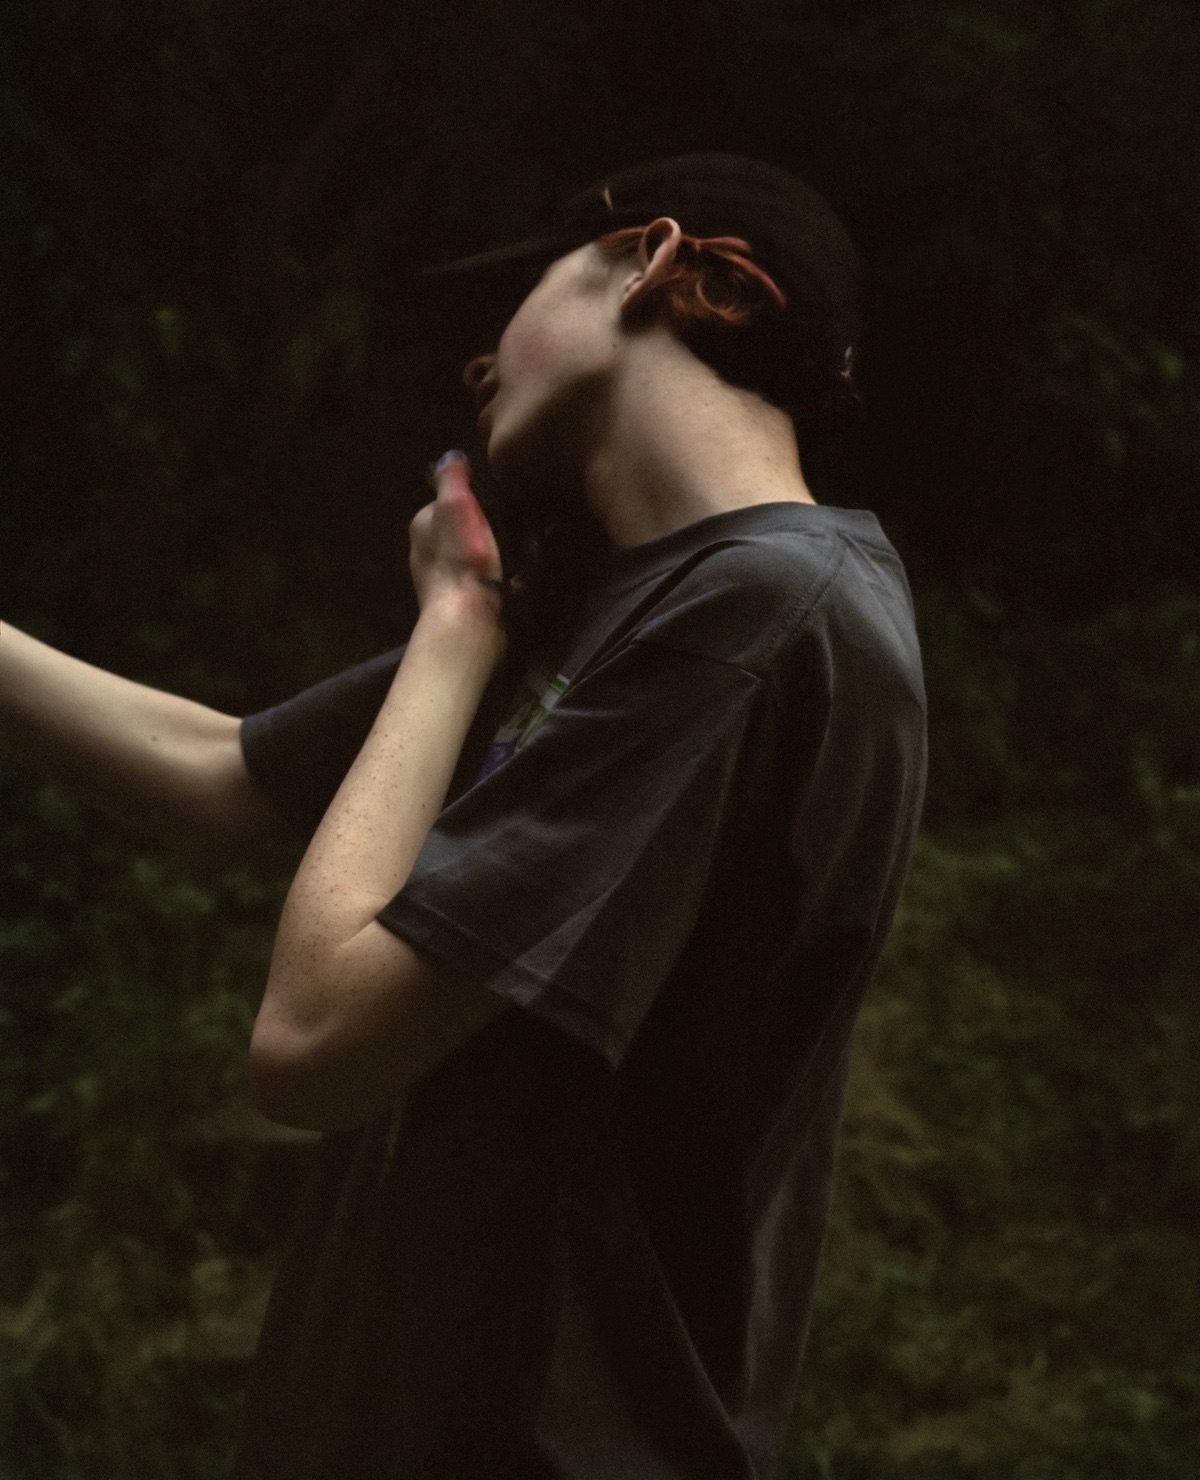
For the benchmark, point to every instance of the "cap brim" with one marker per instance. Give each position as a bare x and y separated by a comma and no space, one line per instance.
471,299
500,260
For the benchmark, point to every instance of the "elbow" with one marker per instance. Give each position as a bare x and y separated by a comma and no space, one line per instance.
317,1079
336,1040
280,1075
293,1083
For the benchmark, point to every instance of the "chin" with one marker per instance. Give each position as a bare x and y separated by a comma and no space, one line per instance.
528,476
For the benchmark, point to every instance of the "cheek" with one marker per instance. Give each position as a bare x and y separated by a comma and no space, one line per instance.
526,350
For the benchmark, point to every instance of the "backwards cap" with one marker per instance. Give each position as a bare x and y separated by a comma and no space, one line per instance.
793,235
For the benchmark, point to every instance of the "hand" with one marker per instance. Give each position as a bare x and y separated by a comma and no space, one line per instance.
453,554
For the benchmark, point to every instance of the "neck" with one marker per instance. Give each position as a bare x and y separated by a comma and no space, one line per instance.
677,444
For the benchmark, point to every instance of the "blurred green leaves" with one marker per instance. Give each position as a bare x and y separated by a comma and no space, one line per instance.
1012,1277
128,986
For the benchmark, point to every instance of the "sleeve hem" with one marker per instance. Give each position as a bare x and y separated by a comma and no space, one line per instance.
256,737
462,950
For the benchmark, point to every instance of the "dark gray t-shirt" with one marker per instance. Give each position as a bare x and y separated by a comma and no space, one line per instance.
586,1245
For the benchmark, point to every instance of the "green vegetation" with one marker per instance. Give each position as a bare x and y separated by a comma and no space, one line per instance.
128,992
1012,1279
221,403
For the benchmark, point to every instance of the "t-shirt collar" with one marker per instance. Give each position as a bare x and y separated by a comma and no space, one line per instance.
623,566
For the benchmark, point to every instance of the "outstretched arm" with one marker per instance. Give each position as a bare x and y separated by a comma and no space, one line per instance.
352,1015
162,765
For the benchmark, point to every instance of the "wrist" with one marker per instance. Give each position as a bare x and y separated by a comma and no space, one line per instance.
464,621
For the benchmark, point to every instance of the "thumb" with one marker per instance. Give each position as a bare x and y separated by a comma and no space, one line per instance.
451,474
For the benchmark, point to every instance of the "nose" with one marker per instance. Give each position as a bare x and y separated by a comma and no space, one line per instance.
476,371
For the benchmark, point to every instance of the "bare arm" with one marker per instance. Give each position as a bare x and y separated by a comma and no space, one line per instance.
352,1015
162,765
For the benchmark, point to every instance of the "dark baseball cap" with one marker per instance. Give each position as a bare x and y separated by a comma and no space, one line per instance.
793,234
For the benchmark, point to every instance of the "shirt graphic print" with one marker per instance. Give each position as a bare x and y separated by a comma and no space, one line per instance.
534,700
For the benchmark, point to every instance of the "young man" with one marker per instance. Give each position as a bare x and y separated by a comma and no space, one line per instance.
568,977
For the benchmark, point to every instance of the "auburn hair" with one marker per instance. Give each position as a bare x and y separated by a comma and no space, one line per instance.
730,314
710,279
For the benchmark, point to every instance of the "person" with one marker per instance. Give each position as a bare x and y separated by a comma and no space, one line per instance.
595,879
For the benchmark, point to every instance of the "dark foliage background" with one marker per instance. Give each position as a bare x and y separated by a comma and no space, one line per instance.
218,405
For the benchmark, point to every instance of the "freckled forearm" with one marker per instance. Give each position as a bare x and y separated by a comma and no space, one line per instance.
366,845
351,1013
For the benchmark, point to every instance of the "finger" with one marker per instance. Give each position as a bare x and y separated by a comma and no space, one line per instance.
451,473
472,533
418,526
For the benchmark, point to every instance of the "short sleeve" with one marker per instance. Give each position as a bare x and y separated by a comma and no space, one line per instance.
569,880
298,751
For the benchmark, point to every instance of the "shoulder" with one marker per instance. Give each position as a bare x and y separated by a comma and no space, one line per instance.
785,579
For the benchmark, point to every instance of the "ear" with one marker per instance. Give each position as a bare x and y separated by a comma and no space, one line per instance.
669,235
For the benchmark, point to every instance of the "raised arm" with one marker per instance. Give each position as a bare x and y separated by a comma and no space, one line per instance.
353,1015
164,766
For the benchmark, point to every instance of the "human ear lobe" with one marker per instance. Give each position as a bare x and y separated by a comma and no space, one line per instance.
667,234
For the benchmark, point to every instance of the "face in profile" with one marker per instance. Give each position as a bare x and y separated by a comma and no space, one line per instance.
542,393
